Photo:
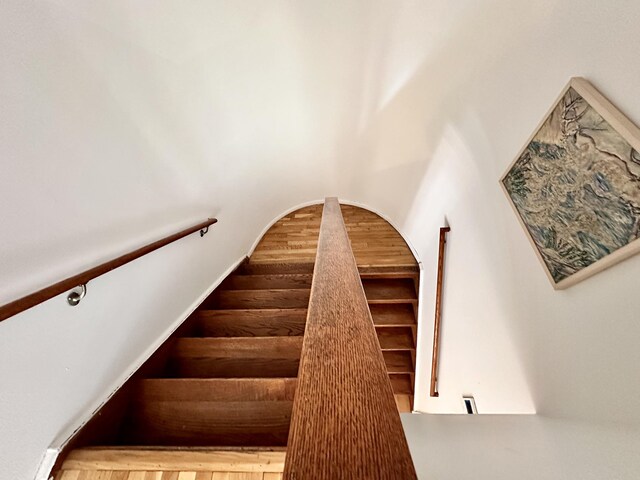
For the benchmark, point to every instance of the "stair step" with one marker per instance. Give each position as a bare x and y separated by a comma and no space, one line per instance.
250,268
398,361
269,322
400,290
404,403
170,459
236,357
267,281
215,389
399,314
401,383
267,298
395,338
389,273
208,423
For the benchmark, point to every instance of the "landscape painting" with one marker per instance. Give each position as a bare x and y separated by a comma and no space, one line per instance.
576,186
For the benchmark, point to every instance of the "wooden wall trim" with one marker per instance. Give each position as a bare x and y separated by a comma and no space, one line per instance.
345,423
33,299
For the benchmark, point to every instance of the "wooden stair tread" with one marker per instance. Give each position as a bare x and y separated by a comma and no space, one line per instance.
207,423
401,383
392,314
239,357
267,281
372,270
215,389
395,338
255,347
251,322
249,268
262,298
393,273
236,459
404,403
389,290
398,361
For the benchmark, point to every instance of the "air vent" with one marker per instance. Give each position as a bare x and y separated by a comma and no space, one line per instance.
470,405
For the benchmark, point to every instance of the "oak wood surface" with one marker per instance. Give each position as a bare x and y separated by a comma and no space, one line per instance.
398,361
262,298
294,238
270,281
345,421
395,338
257,268
175,459
392,314
390,290
268,322
401,384
236,357
206,423
404,403
33,299
215,389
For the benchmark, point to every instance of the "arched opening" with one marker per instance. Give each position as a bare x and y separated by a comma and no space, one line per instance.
376,244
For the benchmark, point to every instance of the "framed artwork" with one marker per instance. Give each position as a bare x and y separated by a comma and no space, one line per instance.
575,186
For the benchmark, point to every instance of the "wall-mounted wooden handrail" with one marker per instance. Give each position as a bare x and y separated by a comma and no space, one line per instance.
33,299
345,423
436,327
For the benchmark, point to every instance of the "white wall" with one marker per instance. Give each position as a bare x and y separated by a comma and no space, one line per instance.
122,121
526,447
481,76
118,125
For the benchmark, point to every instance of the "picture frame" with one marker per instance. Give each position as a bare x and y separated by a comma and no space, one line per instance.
575,186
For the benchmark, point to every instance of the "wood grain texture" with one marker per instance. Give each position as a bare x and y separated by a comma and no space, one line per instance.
175,459
256,322
236,357
24,303
374,241
253,282
392,315
402,384
294,239
215,389
395,338
345,421
261,298
398,361
166,475
205,423
404,403
390,290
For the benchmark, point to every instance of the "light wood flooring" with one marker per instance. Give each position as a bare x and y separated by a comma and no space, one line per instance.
117,463
294,239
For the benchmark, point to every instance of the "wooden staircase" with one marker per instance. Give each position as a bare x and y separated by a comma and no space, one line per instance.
231,380
227,378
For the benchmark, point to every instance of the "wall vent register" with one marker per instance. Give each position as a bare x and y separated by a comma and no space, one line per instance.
470,405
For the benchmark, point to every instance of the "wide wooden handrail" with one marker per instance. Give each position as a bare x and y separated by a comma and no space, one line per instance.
345,423
33,299
435,356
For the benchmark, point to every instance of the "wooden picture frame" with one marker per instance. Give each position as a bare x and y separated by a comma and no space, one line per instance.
575,186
